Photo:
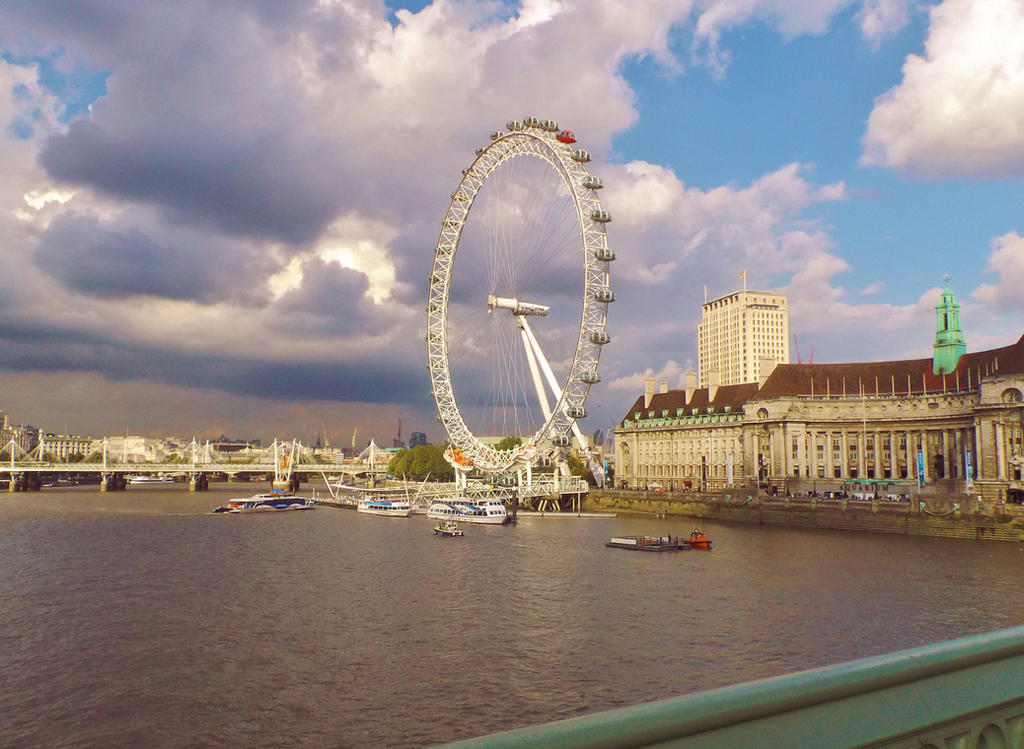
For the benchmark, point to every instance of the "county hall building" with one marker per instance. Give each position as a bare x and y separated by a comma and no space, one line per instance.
950,423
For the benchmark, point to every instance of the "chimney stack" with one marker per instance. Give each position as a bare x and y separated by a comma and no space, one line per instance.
664,387
765,365
648,391
714,378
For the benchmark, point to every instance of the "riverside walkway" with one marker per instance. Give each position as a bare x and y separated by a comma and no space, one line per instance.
961,694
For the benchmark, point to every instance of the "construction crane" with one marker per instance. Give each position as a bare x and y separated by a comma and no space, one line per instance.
796,345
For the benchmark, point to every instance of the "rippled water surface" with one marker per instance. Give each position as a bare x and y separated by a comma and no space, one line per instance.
139,619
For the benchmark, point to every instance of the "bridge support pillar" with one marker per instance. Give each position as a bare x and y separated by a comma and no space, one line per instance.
198,482
113,482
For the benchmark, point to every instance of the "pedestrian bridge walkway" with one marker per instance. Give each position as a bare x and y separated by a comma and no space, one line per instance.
962,694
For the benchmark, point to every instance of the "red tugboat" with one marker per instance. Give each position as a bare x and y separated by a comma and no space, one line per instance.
698,540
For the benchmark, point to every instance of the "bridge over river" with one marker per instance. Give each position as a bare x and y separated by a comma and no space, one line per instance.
287,465
961,694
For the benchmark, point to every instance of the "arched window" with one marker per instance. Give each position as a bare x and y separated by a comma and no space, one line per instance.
1012,395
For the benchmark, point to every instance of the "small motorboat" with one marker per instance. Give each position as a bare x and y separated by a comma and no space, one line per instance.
649,543
448,528
698,540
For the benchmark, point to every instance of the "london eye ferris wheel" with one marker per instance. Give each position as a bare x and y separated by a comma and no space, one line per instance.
515,328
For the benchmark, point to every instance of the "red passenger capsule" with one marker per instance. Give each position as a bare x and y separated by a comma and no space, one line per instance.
566,136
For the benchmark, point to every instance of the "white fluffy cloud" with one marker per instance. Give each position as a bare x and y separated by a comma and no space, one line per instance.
1006,259
882,18
672,372
957,111
668,230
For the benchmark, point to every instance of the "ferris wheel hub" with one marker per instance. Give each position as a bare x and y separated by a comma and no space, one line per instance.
517,307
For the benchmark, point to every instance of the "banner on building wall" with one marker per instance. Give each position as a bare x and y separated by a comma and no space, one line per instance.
969,469
728,469
920,467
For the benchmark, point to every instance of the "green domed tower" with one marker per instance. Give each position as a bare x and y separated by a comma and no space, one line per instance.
949,339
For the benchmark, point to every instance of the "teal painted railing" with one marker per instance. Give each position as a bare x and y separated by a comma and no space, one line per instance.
961,694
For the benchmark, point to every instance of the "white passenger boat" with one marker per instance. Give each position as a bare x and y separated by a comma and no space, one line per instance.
274,502
145,480
395,508
486,511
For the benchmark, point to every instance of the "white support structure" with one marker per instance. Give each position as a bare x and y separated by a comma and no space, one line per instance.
531,360
549,374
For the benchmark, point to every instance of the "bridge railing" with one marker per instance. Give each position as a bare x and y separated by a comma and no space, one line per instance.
962,694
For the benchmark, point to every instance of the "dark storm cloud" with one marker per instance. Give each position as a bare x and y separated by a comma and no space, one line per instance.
332,300
205,117
258,183
375,380
119,261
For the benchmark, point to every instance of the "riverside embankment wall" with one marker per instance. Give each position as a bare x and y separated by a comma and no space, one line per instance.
943,518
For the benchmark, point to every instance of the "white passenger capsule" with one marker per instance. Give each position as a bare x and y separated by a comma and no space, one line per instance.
496,134
601,217
604,295
604,254
576,412
599,337
514,125
591,378
591,182
560,440
578,154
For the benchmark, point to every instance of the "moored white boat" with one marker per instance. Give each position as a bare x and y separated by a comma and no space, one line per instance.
484,511
395,508
274,502
144,480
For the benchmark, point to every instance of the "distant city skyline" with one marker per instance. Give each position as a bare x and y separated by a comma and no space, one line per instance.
223,242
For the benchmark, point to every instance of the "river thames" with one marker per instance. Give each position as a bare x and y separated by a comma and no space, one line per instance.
139,619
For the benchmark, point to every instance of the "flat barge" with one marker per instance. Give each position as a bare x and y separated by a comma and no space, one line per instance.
649,543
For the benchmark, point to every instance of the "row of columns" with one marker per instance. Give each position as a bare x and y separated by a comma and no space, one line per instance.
954,443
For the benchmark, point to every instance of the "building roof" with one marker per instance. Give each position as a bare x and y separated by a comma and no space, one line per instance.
731,396
908,377
736,293
891,377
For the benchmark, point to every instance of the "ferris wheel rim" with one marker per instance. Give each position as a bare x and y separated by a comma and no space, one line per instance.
569,163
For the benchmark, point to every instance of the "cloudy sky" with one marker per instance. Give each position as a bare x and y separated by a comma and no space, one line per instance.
219,215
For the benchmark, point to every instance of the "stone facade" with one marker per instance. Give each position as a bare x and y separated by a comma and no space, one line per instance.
741,336
61,447
816,427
